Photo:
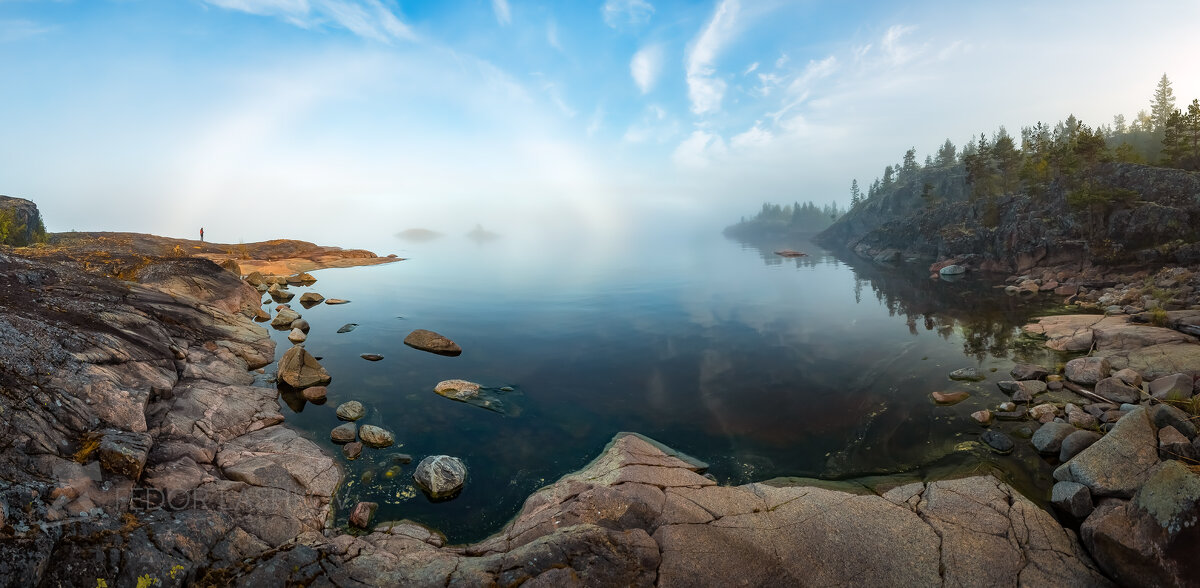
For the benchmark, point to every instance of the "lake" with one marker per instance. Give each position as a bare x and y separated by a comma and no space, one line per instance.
761,366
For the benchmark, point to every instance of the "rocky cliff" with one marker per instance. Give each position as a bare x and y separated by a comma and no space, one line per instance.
20,222
1121,213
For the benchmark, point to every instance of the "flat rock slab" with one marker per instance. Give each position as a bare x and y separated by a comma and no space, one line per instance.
432,342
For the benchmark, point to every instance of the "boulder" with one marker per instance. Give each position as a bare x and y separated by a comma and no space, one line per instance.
255,279
432,342
460,390
1120,462
983,417
284,318
1028,371
297,336
1087,370
301,278
310,299
352,450
1172,388
1173,445
950,397
280,293
1165,415
124,452
299,369
336,301
344,433
1115,390
301,324
377,437
441,476
362,514
315,394
351,411
1150,540
1075,442
371,356
1072,498
1043,413
969,374
952,270
1130,377
1049,437
998,442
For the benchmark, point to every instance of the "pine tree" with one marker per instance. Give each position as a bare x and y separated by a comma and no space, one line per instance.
855,194
946,154
909,168
1163,104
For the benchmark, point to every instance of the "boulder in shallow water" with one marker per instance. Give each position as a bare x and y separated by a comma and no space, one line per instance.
983,417
344,433
284,318
299,369
440,476
336,301
461,390
351,411
949,397
346,328
301,278
475,395
315,394
362,514
311,299
952,270
371,356
352,450
998,442
297,336
432,342
377,437
968,374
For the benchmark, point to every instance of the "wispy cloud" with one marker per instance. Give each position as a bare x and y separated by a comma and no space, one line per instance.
503,12
630,12
655,126
552,35
19,30
646,66
750,69
699,149
896,51
704,90
369,19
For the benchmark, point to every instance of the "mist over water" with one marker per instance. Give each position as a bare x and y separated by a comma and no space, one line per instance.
759,365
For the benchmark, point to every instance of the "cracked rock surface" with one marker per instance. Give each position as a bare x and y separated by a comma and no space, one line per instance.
640,516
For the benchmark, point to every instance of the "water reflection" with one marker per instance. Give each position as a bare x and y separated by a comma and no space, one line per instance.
761,365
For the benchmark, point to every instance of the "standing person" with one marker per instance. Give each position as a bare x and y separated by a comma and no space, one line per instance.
201,234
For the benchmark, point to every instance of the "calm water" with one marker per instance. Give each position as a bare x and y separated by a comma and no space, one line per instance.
761,366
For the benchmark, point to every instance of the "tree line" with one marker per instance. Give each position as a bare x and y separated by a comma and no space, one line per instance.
794,218
989,166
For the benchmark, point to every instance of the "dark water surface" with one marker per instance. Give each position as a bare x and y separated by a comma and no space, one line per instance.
759,365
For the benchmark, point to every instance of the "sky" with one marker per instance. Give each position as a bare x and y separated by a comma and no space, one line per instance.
329,120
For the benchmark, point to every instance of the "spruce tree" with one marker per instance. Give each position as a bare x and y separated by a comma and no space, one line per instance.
1163,104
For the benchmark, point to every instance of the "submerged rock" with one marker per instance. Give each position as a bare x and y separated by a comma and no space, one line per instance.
473,394
371,356
441,476
952,270
949,397
967,374
315,394
352,450
299,369
346,328
998,442
432,342
336,301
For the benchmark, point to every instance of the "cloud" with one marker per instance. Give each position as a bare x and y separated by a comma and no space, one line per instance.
631,12
552,35
654,126
896,52
814,71
645,67
750,69
369,19
705,91
596,121
699,149
503,12
19,30
556,98
754,137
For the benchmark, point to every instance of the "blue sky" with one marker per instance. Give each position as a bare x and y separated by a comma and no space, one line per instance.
347,117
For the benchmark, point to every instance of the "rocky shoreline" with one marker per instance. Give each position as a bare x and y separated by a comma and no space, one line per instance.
136,447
